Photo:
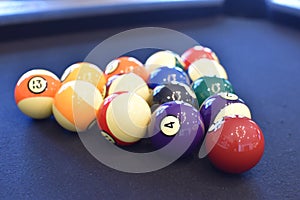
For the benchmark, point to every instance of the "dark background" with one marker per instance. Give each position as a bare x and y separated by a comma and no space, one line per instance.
260,51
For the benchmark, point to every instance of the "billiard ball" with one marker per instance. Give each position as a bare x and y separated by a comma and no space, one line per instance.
174,91
163,59
110,81
75,105
217,106
176,129
207,86
124,65
206,67
123,118
85,71
132,83
234,144
102,121
166,75
34,93
196,53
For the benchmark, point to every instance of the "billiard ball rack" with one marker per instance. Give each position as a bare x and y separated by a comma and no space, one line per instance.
131,101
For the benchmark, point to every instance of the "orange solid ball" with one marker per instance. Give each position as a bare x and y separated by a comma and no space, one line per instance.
34,93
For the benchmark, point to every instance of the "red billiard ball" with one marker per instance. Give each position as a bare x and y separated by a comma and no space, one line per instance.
234,144
197,52
34,93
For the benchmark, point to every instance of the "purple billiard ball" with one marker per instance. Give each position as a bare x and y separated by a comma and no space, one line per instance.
165,75
176,128
217,106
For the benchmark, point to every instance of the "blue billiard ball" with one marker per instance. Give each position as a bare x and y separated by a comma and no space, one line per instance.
164,75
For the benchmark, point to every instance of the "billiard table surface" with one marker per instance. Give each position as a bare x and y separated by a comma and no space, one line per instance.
40,160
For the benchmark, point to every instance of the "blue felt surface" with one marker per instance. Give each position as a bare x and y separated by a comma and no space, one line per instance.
41,161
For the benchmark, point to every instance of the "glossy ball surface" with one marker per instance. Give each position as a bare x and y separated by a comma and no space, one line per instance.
124,65
206,86
88,72
131,83
34,93
176,126
174,91
123,118
163,59
234,144
206,67
217,106
196,53
165,75
75,105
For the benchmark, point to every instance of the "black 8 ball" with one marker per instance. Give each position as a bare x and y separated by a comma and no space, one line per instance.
174,91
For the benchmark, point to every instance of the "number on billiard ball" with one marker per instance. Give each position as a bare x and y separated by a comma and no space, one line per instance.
170,125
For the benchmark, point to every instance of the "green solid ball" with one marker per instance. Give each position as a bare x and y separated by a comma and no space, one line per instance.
206,86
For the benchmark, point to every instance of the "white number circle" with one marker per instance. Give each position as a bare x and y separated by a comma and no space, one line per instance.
170,125
37,85
108,137
228,96
112,66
